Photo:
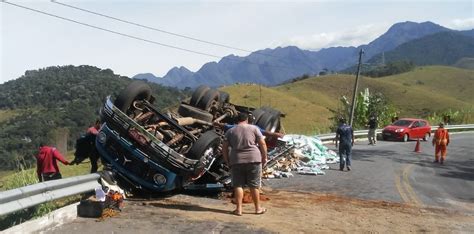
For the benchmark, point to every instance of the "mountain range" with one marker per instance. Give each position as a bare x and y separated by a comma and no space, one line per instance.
274,66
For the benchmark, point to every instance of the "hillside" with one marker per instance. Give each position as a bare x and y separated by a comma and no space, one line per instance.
416,94
57,101
302,116
466,63
444,48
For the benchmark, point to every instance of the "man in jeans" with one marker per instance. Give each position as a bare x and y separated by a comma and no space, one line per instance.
344,135
248,152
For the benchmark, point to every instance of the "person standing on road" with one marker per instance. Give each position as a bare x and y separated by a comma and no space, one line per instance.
46,163
372,124
345,138
441,141
247,155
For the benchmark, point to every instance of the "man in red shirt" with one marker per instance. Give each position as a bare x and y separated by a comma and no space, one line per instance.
46,163
94,129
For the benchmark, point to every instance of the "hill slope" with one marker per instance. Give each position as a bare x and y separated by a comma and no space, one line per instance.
444,48
416,94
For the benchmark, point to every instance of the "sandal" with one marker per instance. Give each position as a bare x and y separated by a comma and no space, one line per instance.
235,212
262,211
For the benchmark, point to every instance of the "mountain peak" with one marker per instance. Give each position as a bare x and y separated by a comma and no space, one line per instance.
409,26
179,71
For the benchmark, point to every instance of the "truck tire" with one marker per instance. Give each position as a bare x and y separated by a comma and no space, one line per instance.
224,97
203,143
269,122
208,99
190,111
137,90
276,114
198,94
205,147
257,113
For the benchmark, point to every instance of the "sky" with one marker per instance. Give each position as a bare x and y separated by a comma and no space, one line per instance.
30,40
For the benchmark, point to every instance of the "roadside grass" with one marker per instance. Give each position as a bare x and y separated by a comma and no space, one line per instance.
420,93
25,177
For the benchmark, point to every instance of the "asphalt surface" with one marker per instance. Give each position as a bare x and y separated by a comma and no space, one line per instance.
392,171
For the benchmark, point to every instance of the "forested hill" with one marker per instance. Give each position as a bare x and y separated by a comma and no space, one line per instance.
55,87
444,48
67,98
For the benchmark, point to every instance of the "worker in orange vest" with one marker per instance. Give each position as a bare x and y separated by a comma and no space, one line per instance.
441,141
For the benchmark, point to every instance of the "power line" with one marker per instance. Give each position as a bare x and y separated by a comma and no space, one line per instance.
111,31
135,37
170,33
155,29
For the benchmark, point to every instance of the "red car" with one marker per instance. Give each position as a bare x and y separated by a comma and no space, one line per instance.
407,128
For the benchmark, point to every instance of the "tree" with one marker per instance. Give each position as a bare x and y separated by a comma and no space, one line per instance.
366,105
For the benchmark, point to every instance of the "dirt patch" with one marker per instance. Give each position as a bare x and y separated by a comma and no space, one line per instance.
290,212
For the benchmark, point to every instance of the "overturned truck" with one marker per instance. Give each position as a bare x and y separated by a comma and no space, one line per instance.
152,151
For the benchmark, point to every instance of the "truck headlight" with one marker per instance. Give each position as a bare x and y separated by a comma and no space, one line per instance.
159,179
102,137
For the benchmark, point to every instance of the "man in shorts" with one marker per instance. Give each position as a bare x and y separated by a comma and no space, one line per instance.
247,154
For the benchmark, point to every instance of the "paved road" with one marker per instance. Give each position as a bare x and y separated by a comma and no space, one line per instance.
392,171
388,171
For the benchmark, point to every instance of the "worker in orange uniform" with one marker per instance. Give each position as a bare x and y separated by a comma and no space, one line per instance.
441,141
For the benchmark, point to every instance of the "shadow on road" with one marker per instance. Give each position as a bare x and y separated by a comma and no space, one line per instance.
189,207
367,154
454,169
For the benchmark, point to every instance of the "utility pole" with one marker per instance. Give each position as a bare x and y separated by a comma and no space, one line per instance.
351,121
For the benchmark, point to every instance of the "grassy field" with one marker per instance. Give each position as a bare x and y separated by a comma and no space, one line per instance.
419,93
7,114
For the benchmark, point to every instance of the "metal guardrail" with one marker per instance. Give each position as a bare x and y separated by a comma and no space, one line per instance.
325,138
28,196
31,195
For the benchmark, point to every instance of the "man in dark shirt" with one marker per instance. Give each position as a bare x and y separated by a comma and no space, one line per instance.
344,135
372,124
248,152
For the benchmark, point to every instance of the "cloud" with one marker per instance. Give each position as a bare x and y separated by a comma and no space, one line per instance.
350,37
461,24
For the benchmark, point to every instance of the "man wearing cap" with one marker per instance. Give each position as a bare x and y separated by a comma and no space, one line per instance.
344,135
440,142
247,154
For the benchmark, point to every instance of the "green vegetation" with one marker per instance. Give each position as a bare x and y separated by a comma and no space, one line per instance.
57,99
367,104
389,69
443,48
419,93
302,116
7,114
